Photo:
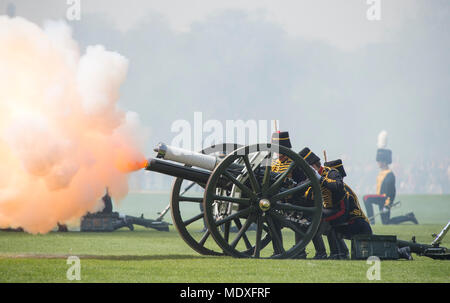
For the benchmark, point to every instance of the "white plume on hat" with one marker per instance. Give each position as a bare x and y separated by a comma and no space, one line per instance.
382,139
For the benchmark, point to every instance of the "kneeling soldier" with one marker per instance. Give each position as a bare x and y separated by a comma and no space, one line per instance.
340,205
385,192
281,164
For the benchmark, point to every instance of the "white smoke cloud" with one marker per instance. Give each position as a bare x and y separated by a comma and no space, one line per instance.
61,131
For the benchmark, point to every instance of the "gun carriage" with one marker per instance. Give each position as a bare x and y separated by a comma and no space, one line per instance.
241,193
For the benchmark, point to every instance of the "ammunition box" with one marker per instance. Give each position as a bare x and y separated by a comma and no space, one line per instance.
383,247
97,223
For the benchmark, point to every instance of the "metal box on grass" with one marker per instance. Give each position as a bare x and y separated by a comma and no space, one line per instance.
381,246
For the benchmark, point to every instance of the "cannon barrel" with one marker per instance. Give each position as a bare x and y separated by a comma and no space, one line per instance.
206,163
191,158
158,225
167,168
184,156
196,175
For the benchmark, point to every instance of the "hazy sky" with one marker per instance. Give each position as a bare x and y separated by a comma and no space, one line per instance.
332,78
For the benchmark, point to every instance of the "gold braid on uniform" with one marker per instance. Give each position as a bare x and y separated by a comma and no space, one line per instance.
380,179
279,166
357,211
326,193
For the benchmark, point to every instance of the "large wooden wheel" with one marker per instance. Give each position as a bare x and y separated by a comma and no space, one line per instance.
187,213
273,202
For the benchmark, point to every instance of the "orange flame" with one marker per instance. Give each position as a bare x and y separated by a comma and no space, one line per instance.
130,166
127,160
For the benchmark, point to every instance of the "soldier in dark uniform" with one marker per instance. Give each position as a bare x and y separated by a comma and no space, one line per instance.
107,202
338,247
62,227
281,164
340,205
385,195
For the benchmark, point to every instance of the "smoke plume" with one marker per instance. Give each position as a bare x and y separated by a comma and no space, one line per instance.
63,138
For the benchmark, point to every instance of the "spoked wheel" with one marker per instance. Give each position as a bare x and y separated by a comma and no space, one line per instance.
273,201
187,215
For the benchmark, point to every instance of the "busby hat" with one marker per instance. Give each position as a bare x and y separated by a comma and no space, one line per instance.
384,155
336,164
309,156
281,138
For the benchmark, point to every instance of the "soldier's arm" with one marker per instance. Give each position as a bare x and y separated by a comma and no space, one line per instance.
388,188
333,181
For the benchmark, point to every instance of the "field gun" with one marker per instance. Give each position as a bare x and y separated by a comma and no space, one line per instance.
434,251
112,221
240,190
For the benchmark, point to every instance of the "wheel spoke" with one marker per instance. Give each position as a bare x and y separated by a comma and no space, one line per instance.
289,224
237,214
276,240
242,231
242,201
267,171
244,236
204,238
188,188
226,232
241,186
279,181
193,219
259,223
251,175
291,191
289,206
190,199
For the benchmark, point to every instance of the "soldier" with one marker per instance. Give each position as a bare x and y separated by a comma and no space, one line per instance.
338,247
62,227
279,166
282,162
107,202
385,192
340,205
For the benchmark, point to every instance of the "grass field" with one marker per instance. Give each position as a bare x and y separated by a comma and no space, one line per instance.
146,255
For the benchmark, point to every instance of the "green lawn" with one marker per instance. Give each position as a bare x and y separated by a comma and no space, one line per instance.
146,255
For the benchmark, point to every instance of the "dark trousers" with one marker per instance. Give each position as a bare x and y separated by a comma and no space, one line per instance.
358,226
385,216
368,202
337,245
317,240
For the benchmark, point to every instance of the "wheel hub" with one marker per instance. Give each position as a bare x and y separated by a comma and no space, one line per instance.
264,204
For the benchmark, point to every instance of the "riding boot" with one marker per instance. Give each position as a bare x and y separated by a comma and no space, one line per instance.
385,217
400,219
343,250
277,250
302,254
321,252
369,210
404,253
333,244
